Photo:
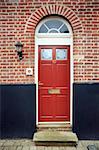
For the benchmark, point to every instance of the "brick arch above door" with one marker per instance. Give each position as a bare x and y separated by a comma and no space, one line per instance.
28,37
64,11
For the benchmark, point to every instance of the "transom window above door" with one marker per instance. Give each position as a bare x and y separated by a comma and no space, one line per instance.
53,25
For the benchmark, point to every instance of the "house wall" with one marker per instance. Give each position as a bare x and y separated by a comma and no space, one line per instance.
18,21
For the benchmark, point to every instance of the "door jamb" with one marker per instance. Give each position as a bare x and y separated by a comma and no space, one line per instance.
71,74
54,39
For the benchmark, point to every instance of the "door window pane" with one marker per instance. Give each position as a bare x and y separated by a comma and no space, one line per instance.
46,54
61,54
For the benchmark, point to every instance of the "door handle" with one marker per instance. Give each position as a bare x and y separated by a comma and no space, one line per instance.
40,83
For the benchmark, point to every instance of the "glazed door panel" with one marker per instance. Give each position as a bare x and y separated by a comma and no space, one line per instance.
54,83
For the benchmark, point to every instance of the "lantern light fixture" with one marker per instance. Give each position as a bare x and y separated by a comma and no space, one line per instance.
19,47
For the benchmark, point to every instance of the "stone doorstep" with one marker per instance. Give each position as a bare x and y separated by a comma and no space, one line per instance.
54,128
50,136
54,125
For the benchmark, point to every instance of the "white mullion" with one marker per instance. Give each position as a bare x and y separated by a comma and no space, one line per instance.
61,26
46,27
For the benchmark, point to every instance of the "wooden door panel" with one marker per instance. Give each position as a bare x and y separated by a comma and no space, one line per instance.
62,107
54,74
62,78
46,73
46,107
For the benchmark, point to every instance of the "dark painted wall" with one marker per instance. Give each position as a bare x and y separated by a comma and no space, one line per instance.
86,110
17,111
0,111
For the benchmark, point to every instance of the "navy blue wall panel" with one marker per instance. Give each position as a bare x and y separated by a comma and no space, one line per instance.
18,111
0,111
86,110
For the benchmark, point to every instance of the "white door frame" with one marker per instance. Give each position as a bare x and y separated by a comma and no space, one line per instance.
54,39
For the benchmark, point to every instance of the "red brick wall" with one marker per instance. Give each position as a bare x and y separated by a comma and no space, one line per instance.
18,20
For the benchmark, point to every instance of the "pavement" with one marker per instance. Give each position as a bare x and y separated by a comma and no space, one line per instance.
28,144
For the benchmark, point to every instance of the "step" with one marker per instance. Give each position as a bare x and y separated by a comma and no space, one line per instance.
50,137
56,127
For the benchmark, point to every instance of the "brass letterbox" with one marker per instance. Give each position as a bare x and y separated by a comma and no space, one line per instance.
54,91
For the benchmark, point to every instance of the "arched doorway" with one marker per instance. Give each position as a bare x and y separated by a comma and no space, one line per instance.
54,70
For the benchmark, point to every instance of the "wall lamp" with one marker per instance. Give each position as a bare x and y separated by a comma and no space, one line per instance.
19,47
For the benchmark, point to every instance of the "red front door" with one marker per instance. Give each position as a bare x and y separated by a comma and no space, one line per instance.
54,84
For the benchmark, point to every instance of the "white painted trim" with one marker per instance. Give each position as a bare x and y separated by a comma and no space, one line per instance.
54,35
54,39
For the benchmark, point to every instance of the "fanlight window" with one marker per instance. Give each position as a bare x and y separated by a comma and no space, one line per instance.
53,26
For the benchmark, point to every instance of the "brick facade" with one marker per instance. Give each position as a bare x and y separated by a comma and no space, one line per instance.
18,20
